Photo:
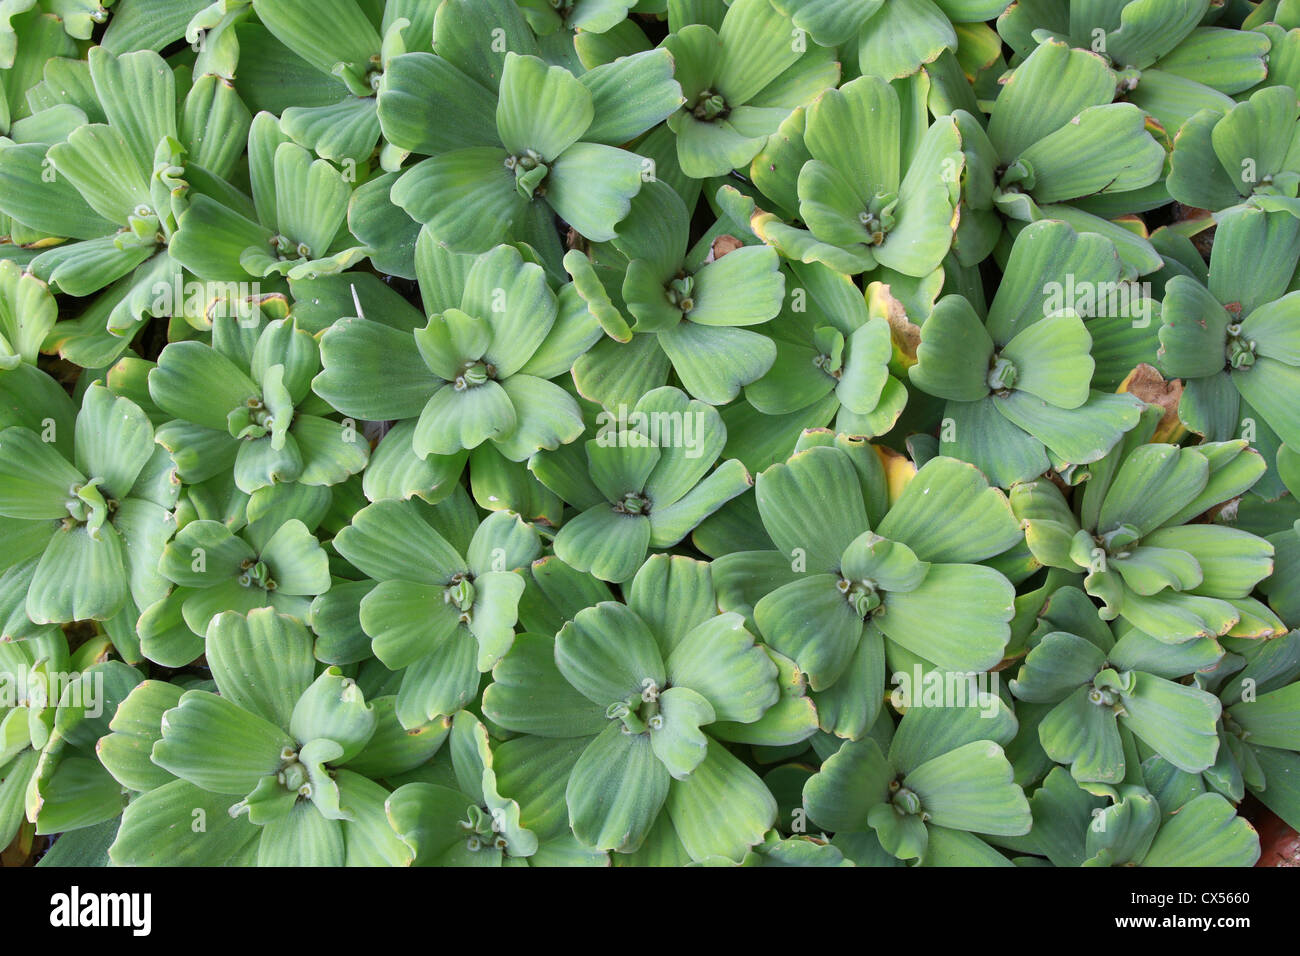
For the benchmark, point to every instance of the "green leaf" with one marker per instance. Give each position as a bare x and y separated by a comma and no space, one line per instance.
158,829
439,683
196,383
949,513
1103,149
971,788
591,188
1058,664
1231,561
462,30
1053,85
530,695
903,835
675,733
477,199
607,544
1270,720
953,357
813,505
630,95
1205,832
351,38
37,480
454,420
1193,330
1175,721
52,207
297,561
1052,361
851,781
1077,435
302,837
902,36
1085,736
217,745
616,790
831,23
958,617
1151,485
674,595
608,654
1265,386
81,576
719,660
541,108
416,84
333,709
721,780
262,662
99,161
715,363
27,312
811,621
136,727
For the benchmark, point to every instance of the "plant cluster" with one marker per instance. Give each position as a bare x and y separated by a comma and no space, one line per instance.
649,432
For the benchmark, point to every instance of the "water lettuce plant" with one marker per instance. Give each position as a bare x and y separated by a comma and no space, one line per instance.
649,432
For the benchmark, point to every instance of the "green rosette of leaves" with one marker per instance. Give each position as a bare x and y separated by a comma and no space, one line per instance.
50,699
856,570
1233,340
1239,151
70,789
348,60
693,309
1129,535
1169,58
257,772
1018,384
1095,684
294,224
646,480
834,357
740,78
87,528
114,184
512,141
894,38
1136,827
871,179
926,790
444,608
631,693
244,402
1259,746
233,552
465,821
1036,162
480,370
